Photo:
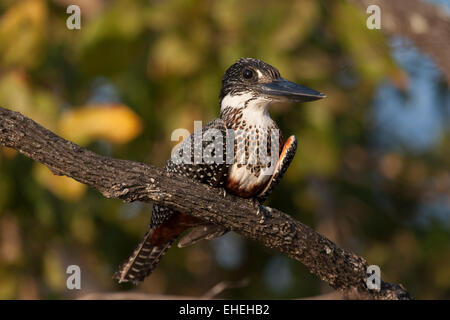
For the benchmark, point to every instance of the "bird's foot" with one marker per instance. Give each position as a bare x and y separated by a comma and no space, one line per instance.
223,191
260,209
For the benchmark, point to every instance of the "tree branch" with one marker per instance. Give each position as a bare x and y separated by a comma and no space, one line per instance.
132,181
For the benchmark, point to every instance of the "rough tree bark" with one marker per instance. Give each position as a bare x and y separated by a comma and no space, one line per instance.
132,181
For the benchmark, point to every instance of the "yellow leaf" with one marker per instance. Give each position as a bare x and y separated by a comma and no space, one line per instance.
9,153
53,269
82,228
299,19
8,284
22,31
18,93
173,55
63,187
114,123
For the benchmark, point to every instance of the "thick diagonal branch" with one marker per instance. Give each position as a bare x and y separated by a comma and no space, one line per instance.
132,181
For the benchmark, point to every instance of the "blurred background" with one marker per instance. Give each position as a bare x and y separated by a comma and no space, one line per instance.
371,172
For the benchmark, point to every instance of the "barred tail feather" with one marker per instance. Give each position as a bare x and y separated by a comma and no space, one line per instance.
143,261
202,232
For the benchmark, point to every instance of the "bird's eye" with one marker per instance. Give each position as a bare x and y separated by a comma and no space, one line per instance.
247,73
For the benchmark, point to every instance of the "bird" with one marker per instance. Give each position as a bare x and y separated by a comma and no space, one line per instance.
249,87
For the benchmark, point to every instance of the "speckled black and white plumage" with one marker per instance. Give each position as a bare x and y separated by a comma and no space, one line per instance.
254,144
244,112
146,256
214,174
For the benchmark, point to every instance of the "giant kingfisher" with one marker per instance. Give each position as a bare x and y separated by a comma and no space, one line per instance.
249,86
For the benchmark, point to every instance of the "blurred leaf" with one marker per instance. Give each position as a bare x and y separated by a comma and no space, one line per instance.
108,44
173,55
123,19
9,153
300,18
61,186
54,271
83,228
318,151
114,123
18,94
442,272
367,47
165,59
10,240
318,158
8,284
22,32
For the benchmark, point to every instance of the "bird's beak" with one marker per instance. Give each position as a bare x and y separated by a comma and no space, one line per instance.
284,90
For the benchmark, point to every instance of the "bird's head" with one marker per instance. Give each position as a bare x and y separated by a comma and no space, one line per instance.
254,81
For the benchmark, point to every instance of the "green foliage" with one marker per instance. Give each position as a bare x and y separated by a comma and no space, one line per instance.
165,60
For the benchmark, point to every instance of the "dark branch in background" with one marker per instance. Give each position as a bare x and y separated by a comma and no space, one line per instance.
132,181
425,24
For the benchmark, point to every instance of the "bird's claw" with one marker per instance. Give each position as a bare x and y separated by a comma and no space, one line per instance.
260,209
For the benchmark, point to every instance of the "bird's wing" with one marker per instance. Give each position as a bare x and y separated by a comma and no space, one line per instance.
202,155
213,174
285,159
167,224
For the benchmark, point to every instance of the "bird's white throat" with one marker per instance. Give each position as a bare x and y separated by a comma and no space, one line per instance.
255,110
